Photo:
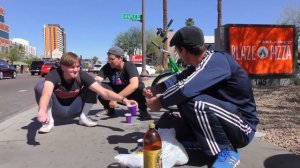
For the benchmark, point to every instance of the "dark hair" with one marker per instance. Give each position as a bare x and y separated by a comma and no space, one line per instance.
118,56
195,50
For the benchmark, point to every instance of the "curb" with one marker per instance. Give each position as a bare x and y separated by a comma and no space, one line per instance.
30,113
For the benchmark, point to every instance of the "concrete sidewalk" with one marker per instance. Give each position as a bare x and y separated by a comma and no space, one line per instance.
70,145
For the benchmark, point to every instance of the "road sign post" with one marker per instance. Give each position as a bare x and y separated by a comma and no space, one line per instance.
141,18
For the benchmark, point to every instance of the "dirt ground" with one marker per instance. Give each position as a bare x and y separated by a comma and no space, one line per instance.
279,113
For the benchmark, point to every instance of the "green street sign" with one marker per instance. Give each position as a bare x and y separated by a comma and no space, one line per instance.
130,16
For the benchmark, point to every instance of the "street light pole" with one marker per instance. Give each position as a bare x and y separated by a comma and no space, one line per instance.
219,8
144,57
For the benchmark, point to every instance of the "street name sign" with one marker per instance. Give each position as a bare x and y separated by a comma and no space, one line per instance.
130,16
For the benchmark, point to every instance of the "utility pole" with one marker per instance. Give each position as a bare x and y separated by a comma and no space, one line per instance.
219,13
51,47
165,22
218,38
144,57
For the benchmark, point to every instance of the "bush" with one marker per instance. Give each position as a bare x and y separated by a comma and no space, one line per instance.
297,80
159,69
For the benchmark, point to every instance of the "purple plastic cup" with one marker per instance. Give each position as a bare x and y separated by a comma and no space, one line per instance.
133,109
128,118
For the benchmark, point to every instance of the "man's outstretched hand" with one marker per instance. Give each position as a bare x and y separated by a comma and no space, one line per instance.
148,92
154,103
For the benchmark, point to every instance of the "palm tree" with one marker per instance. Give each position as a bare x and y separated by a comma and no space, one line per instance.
189,22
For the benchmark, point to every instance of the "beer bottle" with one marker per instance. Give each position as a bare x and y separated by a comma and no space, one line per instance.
152,148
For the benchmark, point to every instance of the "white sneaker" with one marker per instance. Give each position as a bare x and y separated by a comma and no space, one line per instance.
46,128
87,122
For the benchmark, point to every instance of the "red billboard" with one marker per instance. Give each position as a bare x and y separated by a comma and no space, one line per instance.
136,58
263,50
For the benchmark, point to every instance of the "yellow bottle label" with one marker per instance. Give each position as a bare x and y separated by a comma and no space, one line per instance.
152,159
140,151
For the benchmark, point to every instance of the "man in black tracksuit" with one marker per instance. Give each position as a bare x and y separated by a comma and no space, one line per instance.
214,97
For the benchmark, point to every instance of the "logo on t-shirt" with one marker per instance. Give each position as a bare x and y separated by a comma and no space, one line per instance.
119,81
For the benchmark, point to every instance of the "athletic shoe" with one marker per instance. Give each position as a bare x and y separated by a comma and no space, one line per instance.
109,112
46,128
87,122
227,159
144,115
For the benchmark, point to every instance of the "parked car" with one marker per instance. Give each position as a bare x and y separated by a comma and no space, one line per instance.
7,70
149,69
47,67
90,69
97,68
35,67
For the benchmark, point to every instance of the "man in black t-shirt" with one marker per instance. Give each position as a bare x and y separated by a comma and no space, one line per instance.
124,80
68,92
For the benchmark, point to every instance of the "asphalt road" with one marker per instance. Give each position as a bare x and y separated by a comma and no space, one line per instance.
17,95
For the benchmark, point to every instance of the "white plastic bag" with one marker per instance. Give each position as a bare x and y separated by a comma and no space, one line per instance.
132,160
173,153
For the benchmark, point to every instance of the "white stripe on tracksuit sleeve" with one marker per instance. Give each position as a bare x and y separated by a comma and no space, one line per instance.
212,70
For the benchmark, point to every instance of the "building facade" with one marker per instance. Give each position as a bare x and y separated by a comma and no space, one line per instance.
54,41
28,50
4,33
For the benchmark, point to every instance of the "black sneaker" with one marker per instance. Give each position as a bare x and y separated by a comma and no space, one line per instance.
111,112
144,115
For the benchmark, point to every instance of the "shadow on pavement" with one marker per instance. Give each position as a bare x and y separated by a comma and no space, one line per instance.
198,158
118,113
34,126
65,121
283,160
112,128
127,138
114,165
32,130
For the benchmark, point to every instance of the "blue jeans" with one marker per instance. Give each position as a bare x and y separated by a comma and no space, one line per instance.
67,111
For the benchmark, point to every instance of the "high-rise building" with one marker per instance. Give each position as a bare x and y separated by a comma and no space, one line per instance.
28,49
54,41
4,33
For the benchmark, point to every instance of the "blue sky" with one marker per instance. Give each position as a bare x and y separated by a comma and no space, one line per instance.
92,25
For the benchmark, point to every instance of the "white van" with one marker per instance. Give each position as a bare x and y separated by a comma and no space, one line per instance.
97,68
149,69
